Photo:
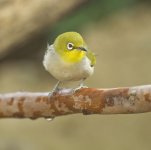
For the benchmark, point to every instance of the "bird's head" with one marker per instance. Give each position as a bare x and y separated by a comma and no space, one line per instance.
70,46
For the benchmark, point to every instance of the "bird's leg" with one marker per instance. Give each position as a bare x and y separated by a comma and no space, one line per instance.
81,85
55,89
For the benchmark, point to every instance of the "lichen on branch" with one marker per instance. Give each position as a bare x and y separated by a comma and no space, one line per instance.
127,100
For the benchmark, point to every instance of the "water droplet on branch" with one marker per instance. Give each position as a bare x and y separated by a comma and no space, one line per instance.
50,118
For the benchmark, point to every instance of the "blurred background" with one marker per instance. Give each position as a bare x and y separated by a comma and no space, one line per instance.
118,32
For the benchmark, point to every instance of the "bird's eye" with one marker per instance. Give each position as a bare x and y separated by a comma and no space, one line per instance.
70,46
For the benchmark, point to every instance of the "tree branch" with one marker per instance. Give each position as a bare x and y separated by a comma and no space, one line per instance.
87,101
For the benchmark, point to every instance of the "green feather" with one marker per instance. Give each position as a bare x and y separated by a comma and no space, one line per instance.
91,57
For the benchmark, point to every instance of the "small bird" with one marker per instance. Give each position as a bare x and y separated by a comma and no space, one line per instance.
69,59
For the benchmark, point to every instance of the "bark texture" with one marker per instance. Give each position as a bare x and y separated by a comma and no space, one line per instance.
128,100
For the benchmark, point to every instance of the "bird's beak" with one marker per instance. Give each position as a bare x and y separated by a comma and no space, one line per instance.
81,49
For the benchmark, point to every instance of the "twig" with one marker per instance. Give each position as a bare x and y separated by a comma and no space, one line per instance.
87,101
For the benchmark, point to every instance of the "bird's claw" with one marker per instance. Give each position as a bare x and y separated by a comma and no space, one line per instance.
78,88
53,93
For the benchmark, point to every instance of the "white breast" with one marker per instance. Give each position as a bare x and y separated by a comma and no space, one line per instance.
64,71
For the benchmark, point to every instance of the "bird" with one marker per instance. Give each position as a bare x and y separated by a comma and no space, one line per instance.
69,59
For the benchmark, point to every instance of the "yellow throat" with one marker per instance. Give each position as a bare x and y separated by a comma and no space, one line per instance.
67,46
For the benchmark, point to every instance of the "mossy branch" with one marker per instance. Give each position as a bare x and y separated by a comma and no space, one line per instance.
129,100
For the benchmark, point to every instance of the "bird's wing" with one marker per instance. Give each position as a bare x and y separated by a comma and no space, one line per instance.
91,57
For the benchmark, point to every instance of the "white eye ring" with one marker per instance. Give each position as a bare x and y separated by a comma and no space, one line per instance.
70,46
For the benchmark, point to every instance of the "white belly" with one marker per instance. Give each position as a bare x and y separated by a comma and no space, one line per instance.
64,71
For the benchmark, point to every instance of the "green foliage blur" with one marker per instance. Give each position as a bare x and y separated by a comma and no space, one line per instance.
94,11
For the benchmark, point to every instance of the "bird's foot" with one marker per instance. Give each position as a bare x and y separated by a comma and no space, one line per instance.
53,92
78,88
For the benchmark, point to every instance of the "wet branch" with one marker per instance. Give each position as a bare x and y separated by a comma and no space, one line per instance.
129,100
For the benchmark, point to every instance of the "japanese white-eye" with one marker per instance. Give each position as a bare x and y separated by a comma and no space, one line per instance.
69,59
